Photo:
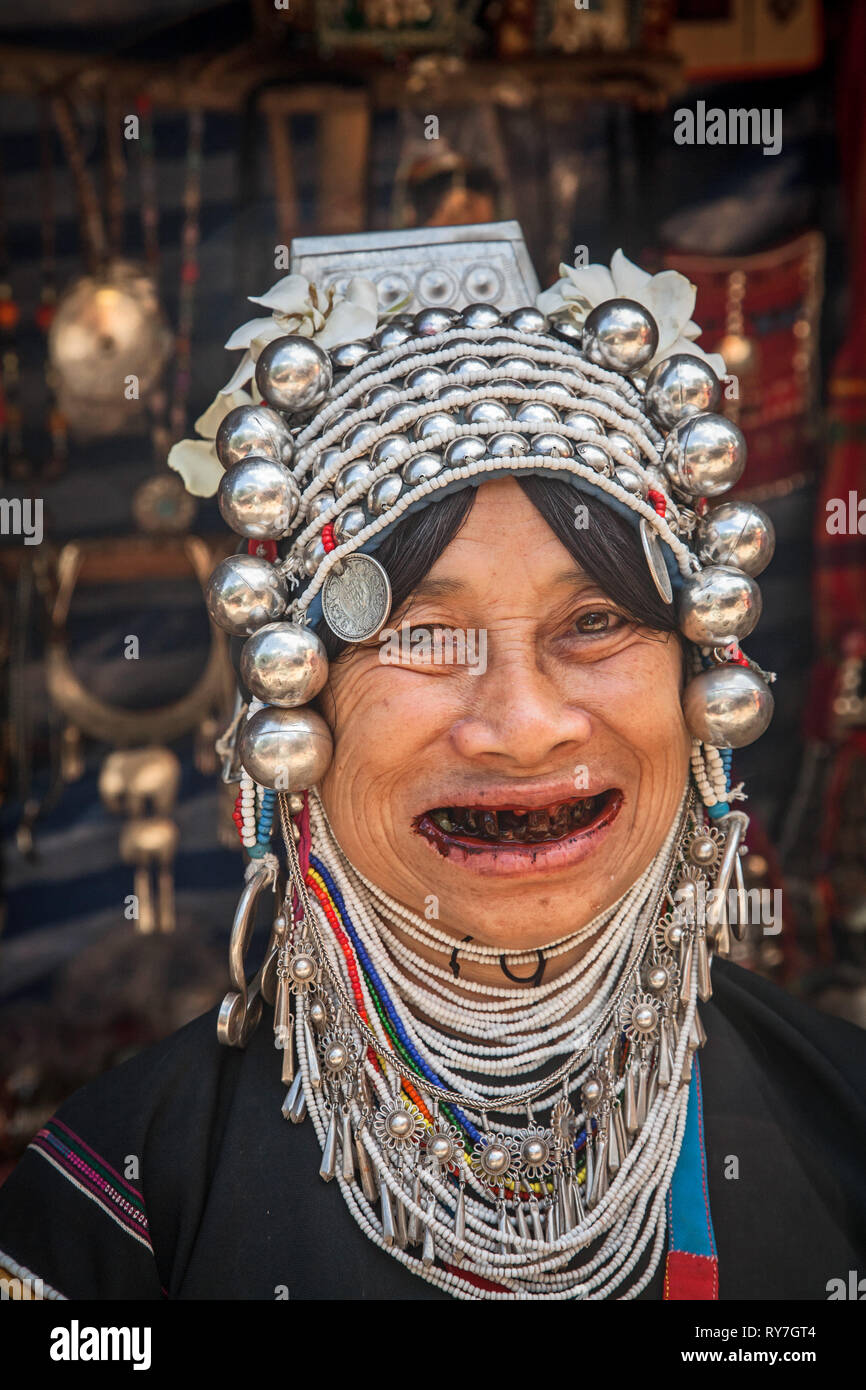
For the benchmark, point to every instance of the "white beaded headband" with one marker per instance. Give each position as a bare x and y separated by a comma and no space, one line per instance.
347,442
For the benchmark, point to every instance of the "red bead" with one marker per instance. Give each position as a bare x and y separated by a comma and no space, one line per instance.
264,550
328,541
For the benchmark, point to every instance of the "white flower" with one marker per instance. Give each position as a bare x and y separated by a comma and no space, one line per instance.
669,297
297,306
196,459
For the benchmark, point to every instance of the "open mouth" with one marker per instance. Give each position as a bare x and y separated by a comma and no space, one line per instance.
481,829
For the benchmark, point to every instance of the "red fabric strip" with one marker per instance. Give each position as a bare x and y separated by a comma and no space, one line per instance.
691,1277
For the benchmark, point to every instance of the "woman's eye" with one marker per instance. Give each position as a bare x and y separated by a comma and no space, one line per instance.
597,620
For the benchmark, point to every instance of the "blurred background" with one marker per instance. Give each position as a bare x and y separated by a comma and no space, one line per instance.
153,155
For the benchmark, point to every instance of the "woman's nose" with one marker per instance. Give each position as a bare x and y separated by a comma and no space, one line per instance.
520,714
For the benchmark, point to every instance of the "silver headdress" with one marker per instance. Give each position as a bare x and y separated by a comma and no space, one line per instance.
348,442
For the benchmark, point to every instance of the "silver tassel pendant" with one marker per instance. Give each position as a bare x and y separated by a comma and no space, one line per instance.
705,984
295,1104
401,1230
599,1179
631,1119
388,1231
621,1136
686,972
535,1217
328,1167
576,1202
590,1161
415,1222
460,1225
652,1089
348,1153
312,1055
642,1079
614,1158
365,1169
664,1064
428,1250
551,1230
504,1228
520,1217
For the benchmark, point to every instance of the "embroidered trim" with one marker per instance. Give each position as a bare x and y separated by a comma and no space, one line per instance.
85,1169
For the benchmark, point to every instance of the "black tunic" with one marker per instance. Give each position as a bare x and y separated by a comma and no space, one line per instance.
235,1209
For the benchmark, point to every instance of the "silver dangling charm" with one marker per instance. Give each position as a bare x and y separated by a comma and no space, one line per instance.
460,1223
520,1216
664,1064
614,1158
365,1168
415,1222
428,1250
295,1104
642,1079
599,1180
686,970
389,1234
535,1217
621,1136
705,984
550,1229
328,1167
631,1118
348,1156
401,1231
504,1227
312,1055
576,1202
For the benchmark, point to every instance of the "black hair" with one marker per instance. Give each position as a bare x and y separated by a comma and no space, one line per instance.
608,549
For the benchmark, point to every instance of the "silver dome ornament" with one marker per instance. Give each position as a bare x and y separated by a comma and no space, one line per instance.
360,435
620,335
718,605
705,455
429,322
392,335
349,523
284,664
480,316
452,395
433,424
727,706
594,456
427,379
681,386
566,396
244,592
507,445
630,479
518,367
469,367
400,413
349,355
552,446
320,503
486,412
258,497
584,421
324,460
396,447
384,493
527,320
623,442
285,749
563,326
382,396
294,373
350,475
465,450
537,413
422,467
314,555
253,429
738,534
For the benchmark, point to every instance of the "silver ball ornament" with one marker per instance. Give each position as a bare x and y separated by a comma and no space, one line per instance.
705,455
552,446
527,320
485,412
353,473
395,447
718,605
433,424
253,429
537,413
680,386
320,503
284,664
429,322
244,592
594,456
727,706
427,379
507,445
314,555
258,497
422,467
480,316
384,493
584,421
349,355
739,534
285,749
464,450
294,373
349,523
620,335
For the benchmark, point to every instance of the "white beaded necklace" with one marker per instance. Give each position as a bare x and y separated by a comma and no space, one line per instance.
469,1034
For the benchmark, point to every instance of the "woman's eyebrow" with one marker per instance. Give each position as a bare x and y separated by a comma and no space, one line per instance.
437,588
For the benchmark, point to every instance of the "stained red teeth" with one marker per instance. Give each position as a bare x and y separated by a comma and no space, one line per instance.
490,824
510,826
539,821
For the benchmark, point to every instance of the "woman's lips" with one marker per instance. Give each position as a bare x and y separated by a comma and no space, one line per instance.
519,856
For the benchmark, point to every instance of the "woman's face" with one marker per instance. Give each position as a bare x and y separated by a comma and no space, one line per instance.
515,794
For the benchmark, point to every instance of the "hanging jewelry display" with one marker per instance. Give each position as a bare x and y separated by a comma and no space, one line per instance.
108,341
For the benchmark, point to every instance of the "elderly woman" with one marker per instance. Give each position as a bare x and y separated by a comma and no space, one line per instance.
491,676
